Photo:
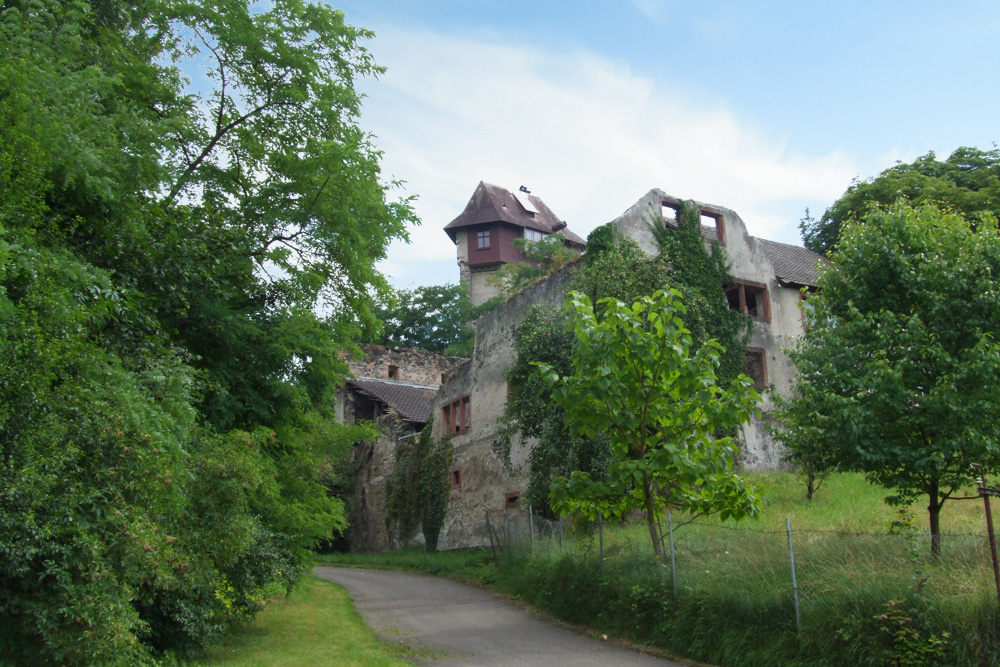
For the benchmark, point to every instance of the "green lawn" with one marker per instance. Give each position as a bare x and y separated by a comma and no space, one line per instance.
316,625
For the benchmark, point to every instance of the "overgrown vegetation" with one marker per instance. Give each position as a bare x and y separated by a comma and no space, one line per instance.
540,259
418,488
165,382
619,269
868,596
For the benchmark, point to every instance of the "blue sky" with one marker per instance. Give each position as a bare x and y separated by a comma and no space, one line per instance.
763,107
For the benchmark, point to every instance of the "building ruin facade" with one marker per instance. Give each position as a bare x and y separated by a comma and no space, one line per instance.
768,281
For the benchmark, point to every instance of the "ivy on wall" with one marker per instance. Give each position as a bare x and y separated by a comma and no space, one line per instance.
418,487
619,269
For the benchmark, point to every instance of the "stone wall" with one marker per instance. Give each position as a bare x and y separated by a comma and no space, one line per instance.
414,366
485,479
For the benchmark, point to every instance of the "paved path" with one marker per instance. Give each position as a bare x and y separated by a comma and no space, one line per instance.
449,623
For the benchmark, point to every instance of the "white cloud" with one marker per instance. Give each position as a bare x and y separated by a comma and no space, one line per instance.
583,132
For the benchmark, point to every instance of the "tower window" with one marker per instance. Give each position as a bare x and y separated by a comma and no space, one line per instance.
483,240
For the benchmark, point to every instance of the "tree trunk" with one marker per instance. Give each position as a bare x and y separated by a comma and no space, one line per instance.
647,494
934,514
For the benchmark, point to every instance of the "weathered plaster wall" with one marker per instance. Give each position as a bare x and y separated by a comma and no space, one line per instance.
485,479
748,262
480,289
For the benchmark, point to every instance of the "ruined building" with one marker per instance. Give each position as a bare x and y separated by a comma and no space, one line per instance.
767,284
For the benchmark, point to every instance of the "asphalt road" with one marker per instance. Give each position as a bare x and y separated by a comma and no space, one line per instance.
448,623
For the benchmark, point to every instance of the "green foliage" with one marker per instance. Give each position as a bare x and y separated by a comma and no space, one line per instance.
540,259
635,380
419,487
967,183
436,318
165,383
899,368
896,637
701,275
619,270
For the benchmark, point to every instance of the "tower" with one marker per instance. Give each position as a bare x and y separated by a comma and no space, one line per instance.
485,231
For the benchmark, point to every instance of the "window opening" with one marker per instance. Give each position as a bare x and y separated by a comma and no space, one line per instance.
458,416
456,479
750,299
533,235
483,240
511,499
393,372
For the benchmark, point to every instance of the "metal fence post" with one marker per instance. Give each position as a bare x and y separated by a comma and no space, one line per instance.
795,585
489,529
531,525
673,559
506,529
600,534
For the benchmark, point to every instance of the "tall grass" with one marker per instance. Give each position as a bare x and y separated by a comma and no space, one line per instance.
867,596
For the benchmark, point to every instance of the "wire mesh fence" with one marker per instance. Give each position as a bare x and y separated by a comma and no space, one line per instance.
802,576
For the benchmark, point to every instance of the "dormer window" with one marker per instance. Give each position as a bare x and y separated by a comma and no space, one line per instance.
533,235
483,240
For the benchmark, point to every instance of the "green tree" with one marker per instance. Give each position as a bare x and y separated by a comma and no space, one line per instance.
899,368
635,380
434,317
621,270
165,382
968,183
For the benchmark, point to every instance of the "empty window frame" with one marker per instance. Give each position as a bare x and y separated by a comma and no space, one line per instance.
483,240
512,498
756,367
533,235
394,372
750,299
458,415
456,479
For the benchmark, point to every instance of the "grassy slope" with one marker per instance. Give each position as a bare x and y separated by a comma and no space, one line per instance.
316,625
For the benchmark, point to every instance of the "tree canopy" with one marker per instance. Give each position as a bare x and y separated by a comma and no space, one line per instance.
433,317
899,368
165,245
968,183
635,380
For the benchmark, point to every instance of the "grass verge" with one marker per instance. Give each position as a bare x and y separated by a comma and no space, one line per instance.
316,625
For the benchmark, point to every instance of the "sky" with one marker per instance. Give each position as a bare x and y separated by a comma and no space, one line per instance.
766,108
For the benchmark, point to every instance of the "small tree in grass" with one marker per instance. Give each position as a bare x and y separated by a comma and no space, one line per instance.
635,380
899,368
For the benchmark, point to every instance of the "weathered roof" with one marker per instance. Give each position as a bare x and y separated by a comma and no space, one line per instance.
793,264
411,401
493,203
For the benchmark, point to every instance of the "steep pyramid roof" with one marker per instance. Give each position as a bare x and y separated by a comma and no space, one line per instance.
492,203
